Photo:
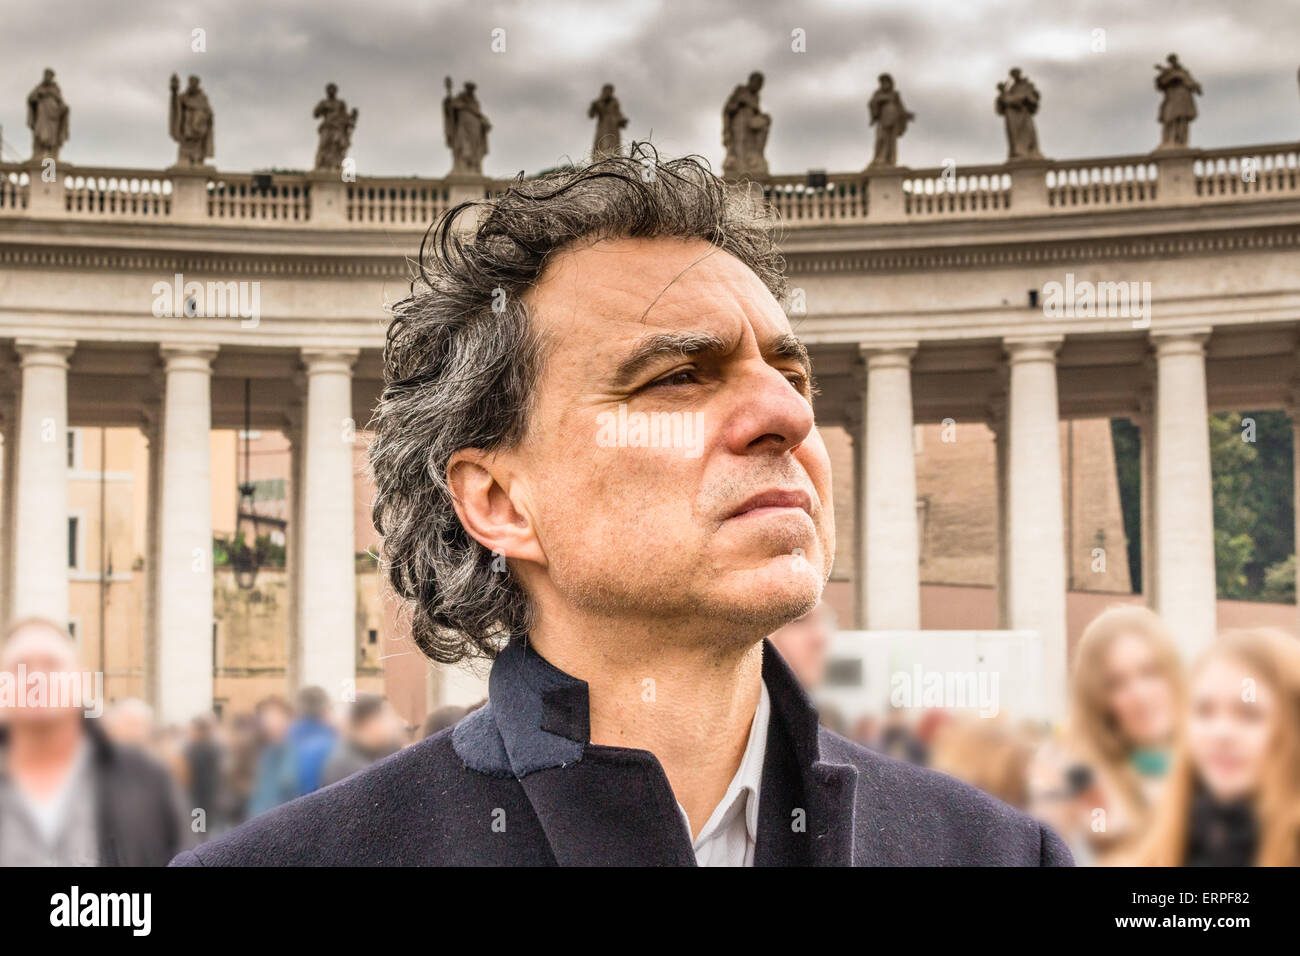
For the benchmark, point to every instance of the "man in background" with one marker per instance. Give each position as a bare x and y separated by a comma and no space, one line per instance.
311,739
273,782
374,731
69,796
804,644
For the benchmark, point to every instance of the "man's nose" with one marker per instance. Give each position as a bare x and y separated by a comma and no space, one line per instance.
768,413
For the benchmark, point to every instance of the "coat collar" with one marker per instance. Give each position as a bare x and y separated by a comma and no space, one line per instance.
613,805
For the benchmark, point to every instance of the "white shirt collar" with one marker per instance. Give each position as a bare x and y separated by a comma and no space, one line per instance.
729,836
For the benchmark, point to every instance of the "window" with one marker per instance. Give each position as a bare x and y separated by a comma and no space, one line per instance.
373,636
72,541
74,448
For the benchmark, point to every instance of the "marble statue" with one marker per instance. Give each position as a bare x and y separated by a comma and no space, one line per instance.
1178,108
1018,102
190,122
744,131
336,125
890,118
466,129
47,118
609,123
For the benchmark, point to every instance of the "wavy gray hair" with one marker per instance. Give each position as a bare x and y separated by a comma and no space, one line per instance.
462,358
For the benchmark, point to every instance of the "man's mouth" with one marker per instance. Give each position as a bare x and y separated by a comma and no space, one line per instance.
774,501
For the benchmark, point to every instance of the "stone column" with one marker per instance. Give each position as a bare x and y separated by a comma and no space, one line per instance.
152,429
1146,423
1184,502
8,503
184,598
293,431
327,602
997,424
893,575
1293,410
855,425
40,530
1035,507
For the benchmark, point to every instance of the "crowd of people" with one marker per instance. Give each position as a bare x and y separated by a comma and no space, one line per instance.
1157,763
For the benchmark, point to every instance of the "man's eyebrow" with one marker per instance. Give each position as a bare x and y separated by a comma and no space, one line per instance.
651,349
788,346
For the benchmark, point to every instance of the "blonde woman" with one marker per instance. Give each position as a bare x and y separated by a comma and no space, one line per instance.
1127,695
1233,797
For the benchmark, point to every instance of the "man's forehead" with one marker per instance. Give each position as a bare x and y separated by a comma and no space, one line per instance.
654,282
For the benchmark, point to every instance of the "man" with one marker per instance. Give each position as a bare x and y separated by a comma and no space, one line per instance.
804,643
68,795
312,738
206,765
129,722
273,783
595,458
374,732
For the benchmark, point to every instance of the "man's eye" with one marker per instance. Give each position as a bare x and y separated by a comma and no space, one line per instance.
685,376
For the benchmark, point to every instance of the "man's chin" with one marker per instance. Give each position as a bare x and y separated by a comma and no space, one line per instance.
775,593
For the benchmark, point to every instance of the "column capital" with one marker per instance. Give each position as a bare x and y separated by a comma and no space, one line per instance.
187,357
1032,348
329,359
887,354
1180,341
48,352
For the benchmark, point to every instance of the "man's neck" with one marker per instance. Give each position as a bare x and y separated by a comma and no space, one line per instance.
690,703
40,753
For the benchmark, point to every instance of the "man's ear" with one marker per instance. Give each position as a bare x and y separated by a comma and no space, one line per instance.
482,486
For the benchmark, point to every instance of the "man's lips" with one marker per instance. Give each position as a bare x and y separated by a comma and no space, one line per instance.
775,499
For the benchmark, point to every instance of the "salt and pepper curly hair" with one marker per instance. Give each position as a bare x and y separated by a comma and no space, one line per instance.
462,359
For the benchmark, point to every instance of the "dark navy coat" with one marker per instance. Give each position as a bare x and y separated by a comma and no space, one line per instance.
517,783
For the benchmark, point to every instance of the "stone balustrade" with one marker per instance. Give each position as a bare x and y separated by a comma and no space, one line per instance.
900,194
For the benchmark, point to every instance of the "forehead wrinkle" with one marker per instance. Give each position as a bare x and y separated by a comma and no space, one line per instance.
671,282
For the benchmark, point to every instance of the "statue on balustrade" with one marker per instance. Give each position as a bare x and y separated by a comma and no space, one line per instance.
609,124
1178,108
1018,102
890,118
336,125
744,131
190,122
47,118
466,129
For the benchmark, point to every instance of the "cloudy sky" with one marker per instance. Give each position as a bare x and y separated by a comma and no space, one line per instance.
673,63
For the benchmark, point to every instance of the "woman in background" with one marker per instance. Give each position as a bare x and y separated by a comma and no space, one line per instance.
1126,703
1233,797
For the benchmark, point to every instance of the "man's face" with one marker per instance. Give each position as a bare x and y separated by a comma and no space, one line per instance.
673,533
34,649
804,644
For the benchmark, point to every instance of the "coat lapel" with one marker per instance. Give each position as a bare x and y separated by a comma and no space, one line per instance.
820,830
614,806
597,805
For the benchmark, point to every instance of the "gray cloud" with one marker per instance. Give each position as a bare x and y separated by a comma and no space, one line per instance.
673,64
